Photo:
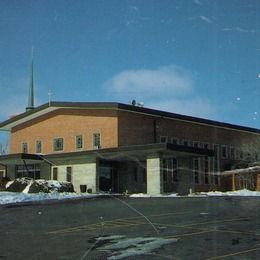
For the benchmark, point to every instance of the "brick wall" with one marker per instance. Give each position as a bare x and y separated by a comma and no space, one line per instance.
66,124
143,129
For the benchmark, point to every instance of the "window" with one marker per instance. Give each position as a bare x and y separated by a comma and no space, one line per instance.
135,174
186,142
69,174
232,153
96,141
144,176
163,139
170,170
2,173
38,146
206,170
29,170
196,170
79,142
206,146
24,148
216,158
224,151
55,174
216,179
58,144
175,140
196,144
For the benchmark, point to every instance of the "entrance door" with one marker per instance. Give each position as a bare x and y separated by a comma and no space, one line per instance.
108,178
169,175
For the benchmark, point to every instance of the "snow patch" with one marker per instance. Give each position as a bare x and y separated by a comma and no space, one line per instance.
243,192
123,247
143,195
27,188
9,183
20,197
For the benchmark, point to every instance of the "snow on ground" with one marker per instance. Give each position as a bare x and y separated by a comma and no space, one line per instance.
243,192
19,197
122,247
143,195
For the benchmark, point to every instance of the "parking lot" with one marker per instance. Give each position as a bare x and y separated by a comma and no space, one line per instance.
131,228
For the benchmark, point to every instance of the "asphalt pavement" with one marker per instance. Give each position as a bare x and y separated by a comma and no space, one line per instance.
133,228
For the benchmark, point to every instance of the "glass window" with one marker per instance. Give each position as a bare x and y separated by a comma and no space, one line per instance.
175,140
232,152
24,147
224,151
58,144
69,174
96,141
79,142
196,170
163,139
186,142
144,176
196,144
55,174
38,146
29,170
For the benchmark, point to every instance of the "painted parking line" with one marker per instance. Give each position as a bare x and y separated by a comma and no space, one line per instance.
101,225
234,254
137,220
238,232
216,222
189,234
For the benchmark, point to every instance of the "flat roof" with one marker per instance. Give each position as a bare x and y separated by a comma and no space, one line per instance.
54,105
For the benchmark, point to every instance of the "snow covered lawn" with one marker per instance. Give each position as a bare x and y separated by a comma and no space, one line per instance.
243,192
20,197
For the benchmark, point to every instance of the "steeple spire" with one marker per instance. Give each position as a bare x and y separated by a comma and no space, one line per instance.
31,89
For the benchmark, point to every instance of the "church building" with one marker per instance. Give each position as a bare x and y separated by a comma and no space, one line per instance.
115,147
125,148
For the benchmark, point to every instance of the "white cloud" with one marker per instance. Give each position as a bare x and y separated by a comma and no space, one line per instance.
151,83
197,2
192,106
169,88
205,19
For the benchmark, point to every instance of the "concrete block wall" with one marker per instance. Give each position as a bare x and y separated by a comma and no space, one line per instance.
82,174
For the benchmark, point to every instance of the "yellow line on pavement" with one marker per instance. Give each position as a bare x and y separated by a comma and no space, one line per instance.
189,234
238,232
215,222
106,223
234,254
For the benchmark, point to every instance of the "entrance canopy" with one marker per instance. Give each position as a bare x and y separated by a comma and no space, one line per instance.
132,152
16,159
116,154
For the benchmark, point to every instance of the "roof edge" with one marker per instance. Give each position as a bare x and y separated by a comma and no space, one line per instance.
50,106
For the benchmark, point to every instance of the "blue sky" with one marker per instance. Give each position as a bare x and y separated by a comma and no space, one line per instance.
194,57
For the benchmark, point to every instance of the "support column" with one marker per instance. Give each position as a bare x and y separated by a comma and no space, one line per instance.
154,176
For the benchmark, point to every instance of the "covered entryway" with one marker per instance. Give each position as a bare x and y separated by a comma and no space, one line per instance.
25,165
170,174
108,176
